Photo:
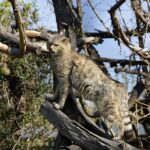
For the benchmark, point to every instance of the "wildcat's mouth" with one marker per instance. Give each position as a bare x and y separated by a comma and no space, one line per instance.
51,51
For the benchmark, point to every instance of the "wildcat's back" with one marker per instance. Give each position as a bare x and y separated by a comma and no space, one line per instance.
110,97
86,77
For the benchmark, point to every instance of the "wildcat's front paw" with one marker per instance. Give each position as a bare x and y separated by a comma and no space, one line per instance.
57,106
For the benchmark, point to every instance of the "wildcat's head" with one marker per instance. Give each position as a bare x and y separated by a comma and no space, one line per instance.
58,45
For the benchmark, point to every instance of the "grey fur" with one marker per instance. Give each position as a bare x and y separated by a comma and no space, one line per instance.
74,69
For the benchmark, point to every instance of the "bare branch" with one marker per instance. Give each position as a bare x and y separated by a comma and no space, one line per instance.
138,11
79,8
20,26
32,33
89,40
131,71
143,53
122,62
73,11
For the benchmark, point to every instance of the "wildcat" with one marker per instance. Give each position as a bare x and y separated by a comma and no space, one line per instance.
80,72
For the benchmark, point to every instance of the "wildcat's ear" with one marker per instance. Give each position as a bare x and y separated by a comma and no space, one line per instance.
65,40
62,33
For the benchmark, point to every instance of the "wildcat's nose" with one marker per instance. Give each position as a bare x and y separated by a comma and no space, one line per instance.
49,45
52,47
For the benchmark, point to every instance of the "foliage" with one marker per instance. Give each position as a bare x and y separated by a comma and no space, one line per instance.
28,12
21,92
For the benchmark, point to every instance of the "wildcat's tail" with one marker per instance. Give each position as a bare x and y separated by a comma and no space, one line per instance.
129,134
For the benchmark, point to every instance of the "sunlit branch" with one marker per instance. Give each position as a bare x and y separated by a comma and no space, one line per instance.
20,25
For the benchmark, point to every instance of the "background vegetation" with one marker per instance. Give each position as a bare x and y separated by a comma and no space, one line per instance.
22,92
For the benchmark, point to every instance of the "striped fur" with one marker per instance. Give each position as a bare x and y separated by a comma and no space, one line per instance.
74,69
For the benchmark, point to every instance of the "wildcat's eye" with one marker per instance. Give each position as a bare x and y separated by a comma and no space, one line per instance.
56,45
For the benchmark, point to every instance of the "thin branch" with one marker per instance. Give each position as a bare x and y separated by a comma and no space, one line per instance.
131,71
102,34
122,62
97,15
89,40
79,8
123,19
129,33
136,92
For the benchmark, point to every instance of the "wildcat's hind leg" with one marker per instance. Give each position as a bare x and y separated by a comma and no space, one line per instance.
113,120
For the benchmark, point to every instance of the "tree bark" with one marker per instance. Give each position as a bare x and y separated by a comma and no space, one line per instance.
77,133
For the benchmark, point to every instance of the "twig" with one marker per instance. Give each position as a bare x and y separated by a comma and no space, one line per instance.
143,104
79,8
97,15
122,62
